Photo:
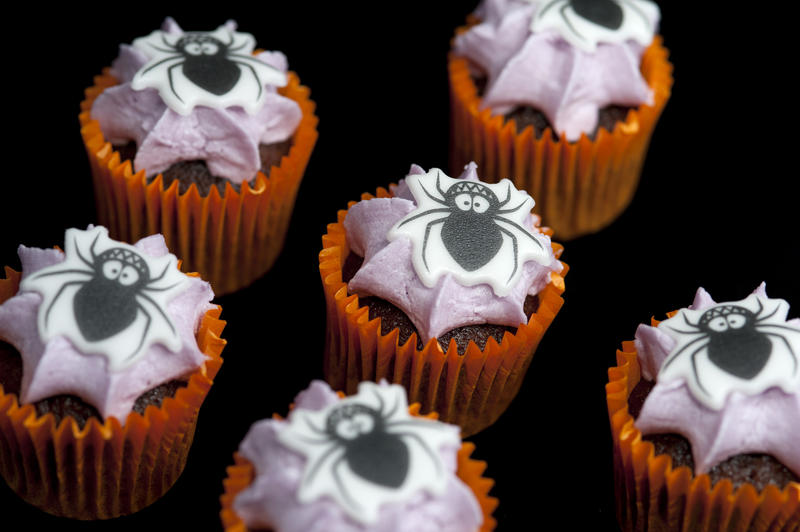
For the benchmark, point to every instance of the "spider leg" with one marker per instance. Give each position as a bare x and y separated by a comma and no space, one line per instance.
792,329
519,228
80,255
393,410
431,196
313,428
59,272
230,41
253,60
566,19
340,485
546,7
508,211
255,75
516,250
314,470
58,294
789,347
420,215
438,185
682,331
413,422
639,12
160,311
144,333
381,404
171,84
672,357
151,67
167,44
689,323
163,289
427,451
425,240
694,369
161,275
236,49
759,320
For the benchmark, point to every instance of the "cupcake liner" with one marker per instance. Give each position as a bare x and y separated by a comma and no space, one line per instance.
579,187
651,495
230,240
242,474
469,390
105,469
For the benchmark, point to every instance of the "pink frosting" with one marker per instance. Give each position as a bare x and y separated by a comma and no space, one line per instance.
226,139
56,367
765,423
388,272
544,71
271,501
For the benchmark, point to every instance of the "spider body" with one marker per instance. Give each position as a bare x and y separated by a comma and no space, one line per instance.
369,450
206,63
472,232
735,344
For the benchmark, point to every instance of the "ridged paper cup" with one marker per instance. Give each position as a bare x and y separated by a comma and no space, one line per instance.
651,495
105,469
469,390
242,474
579,187
231,240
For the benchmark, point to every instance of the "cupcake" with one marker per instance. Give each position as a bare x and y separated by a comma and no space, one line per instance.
360,463
107,352
564,97
192,135
705,418
445,286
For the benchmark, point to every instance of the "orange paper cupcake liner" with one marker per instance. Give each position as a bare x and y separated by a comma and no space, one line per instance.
469,390
231,240
651,495
105,469
242,474
579,187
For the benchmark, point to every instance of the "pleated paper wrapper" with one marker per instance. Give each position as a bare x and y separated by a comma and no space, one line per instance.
469,390
231,240
242,474
105,469
579,187
651,495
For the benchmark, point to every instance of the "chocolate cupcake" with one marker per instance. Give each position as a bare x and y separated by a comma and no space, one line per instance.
704,410
189,127
362,463
108,352
563,96
454,288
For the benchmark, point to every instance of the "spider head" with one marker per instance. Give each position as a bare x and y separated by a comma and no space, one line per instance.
200,44
726,318
472,197
123,267
352,421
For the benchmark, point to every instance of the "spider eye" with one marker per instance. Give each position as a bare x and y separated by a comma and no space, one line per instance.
210,48
480,205
193,48
718,324
111,269
129,276
464,202
736,321
353,427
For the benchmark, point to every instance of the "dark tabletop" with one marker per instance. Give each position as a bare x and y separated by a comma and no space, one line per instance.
714,208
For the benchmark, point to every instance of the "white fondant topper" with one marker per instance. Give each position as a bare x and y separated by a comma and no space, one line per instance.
215,69
367,450
585,23
744,346
472,230
107,298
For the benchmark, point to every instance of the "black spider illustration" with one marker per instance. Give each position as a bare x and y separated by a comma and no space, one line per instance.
112,292
471,231
606,13
207,62
738,340
372,445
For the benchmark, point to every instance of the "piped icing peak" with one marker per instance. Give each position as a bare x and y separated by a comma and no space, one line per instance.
446,266
172,119
104,321
567,59
358,463
727,378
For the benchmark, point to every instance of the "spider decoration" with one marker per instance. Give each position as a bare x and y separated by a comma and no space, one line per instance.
367,450
106,297
474,224
216,69
585,23
744,346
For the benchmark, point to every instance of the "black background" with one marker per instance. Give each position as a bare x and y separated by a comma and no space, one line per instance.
715,208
